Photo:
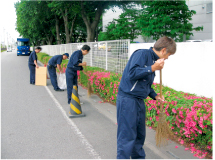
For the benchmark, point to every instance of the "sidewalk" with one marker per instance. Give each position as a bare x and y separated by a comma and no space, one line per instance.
109,111
152,151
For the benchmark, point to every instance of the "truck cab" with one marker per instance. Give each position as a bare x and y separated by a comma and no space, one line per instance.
23,46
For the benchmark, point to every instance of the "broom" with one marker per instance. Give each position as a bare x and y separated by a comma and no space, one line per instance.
163,130
89,89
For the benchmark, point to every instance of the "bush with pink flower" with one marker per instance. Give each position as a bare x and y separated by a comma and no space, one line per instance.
189,116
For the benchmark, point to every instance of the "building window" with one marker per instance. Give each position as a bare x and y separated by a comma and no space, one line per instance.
209,8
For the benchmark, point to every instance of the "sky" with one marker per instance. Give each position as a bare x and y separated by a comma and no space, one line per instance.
8,20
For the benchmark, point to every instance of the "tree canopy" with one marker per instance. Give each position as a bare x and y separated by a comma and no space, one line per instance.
155,19
166,18
125,27
56,22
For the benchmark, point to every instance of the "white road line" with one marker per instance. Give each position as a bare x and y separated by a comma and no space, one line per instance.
81,137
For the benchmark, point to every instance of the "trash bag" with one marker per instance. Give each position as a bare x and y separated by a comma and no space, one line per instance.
62,81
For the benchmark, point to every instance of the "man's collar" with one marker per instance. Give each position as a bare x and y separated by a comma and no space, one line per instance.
155,56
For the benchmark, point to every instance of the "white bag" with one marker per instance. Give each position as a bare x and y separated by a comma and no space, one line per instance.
62,81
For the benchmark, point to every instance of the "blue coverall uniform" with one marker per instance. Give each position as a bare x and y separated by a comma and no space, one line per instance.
32,66
52,64
135,86
71,72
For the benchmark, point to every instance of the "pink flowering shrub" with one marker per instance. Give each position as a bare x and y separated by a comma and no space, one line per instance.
189,116
102,82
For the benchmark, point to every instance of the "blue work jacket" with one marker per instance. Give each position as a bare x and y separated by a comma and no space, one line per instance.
32,57
138,77
74,61
55,60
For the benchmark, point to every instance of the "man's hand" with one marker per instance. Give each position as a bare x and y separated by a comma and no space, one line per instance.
159,98
61,72
158,65
84,63
37,66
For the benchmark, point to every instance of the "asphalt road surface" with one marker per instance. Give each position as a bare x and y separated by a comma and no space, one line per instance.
34,122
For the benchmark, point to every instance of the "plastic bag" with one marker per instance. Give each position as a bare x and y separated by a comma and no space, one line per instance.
62,81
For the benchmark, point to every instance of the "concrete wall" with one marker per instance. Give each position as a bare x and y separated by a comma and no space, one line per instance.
190,70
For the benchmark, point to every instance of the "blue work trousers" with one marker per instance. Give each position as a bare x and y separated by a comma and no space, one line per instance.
131,131
32,73
53,76
71,79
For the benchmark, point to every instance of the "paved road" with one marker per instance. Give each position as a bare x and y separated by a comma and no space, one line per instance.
35,124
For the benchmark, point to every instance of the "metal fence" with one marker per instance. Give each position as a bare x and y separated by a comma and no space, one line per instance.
110,55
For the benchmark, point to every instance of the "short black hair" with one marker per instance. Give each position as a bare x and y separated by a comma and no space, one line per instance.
39,48
86,47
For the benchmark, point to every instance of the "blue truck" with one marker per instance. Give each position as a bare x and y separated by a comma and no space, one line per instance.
23,46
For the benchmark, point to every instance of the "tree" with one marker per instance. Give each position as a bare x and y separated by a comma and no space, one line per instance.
166,18
35,21
41,20
68,11
125,27
92,11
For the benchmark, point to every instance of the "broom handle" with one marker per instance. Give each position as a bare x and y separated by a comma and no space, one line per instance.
161,89
86,71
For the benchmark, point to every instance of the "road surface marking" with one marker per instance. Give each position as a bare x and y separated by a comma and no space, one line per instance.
81,137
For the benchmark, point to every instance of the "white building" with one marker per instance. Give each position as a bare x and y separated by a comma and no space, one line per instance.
203,17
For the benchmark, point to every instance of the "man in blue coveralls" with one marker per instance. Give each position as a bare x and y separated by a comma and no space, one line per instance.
135,86
74,64
32,63
54,62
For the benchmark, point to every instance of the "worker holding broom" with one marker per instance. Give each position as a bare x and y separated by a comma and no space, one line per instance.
135,86
75,64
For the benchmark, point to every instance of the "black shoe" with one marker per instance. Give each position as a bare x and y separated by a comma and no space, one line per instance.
59,89
69,101
32,83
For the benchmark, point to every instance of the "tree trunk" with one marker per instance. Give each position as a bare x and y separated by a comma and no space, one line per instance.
49,39
43,42
38,43
97,34
91,27
71,29
90,34
65,18
184,37
57,30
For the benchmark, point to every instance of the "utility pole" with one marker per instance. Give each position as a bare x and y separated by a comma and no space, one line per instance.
3,39
7,39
